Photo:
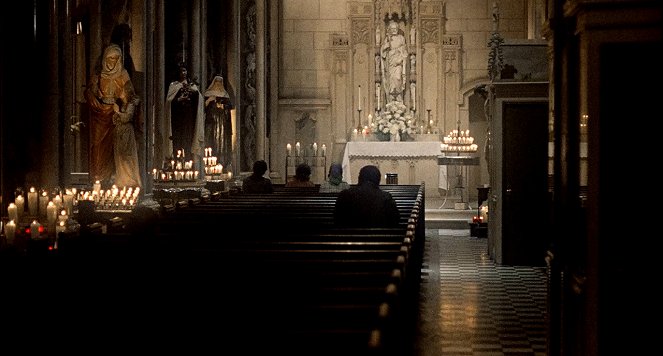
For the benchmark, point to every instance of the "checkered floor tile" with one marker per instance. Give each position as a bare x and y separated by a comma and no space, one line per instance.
471,306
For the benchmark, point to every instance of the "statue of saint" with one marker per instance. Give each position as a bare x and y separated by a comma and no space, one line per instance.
113,103
218,125
183,117
394,55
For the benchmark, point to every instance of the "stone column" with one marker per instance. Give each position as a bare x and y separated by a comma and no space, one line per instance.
159,55
261,133
196,39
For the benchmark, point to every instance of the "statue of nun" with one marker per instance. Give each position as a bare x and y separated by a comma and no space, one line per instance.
218,125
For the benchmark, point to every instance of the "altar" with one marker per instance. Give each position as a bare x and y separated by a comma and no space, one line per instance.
413,161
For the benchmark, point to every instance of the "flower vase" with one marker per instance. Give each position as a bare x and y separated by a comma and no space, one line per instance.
396,137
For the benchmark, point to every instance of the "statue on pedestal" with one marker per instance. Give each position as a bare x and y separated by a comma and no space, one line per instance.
394,55
218,124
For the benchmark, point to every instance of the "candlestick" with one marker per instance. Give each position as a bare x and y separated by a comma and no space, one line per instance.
359,120
10,231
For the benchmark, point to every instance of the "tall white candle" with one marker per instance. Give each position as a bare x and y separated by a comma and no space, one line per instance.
34,229
43,203
324,150
57,200
315,149
12,211
33,202
288,149
97,186
10,231
297,148
69,202
20,207
51,215
359,106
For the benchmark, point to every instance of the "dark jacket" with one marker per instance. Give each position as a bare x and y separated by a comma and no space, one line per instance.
257,185
366,205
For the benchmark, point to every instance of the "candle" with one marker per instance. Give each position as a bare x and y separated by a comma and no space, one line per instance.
97,186
63,216
359,107
155,175
34,229
288,149
43,203
10,231
12,211
33,202
315,149
61,227
51,215
69,202
20,206
297,148
370,120
324,149
57,200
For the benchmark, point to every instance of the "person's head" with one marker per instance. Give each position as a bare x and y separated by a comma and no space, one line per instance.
303,172
182,72
335,171
259,168
369,173
112,63
393,27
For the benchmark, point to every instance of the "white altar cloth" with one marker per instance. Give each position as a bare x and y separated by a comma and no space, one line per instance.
413,161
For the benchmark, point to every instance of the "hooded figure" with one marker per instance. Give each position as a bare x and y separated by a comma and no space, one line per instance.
113,102
334,182
218,122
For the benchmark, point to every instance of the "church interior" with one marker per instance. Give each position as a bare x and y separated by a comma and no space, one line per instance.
128,128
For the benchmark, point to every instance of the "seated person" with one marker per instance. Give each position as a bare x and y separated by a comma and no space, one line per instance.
256,183
366,205
302,178
334,182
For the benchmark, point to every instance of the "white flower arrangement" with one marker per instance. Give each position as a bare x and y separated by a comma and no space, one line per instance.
396,119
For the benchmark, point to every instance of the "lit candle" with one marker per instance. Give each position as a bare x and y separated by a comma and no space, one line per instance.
34,229
63,216
324,149
297,148
288,149
69,202
51,215
97,186
60,227
315,149
12,211
20,206
43,202
33,202
155,175
10,231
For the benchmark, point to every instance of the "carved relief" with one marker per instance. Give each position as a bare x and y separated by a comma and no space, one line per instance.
430,31
360,8
340,63
452,41
361,32
339,40
432,8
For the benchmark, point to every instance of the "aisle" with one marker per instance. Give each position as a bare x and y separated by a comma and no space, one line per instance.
470,306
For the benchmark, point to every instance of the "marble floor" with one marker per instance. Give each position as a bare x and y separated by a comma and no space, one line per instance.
471,306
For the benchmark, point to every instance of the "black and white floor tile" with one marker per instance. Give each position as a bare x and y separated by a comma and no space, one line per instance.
471,306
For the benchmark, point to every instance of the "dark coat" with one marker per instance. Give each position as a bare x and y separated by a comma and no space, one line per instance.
366,205
257,185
